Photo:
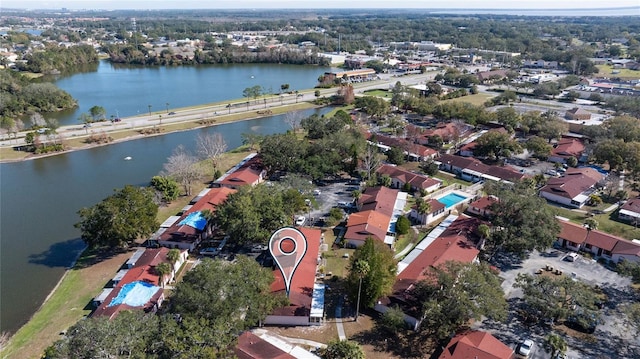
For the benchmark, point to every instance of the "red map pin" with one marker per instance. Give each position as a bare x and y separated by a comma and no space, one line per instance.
288,246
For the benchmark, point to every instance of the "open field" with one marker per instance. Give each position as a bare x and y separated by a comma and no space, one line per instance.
477,99
627,74
378,93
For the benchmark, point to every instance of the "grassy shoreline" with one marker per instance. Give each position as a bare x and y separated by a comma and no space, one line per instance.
8,154
70,299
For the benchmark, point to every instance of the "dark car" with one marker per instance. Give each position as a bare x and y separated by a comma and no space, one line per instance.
172,113
117,119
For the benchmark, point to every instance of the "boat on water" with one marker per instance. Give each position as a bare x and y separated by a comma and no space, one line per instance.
128,158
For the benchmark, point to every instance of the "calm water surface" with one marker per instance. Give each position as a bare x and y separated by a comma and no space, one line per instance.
129,90
39,199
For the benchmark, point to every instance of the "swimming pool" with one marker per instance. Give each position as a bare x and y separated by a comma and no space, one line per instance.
451,199
135,294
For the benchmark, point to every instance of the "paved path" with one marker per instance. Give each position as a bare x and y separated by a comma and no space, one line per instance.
339,325
406,249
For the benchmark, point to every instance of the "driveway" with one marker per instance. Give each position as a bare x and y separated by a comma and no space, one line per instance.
611,338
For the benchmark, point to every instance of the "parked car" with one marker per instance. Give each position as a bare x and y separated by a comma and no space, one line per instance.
209,251
316,192
571,257
525,347
172,113
300,220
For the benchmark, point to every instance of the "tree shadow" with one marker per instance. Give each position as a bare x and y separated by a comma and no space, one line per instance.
507,261
61,254
96,255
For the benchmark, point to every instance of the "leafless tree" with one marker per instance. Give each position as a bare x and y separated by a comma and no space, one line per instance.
16,127
183,167
211,147
370,161
293,120
37,120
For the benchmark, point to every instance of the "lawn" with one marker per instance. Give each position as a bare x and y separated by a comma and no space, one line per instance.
606,222
477,99
627,74
378,93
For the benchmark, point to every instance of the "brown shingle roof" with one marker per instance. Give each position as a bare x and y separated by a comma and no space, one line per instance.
574,182
572,232
381,199
632,205
251,346
568,147
370,223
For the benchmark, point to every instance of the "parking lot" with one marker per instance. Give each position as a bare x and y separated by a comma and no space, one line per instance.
611,338
331,195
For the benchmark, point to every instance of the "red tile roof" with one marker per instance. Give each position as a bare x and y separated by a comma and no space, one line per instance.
143,271
364,224
406,145
213,198
476,345
381,199
447,131
602,240
504,173
626,247
572,232
453,244
250,173
301,290
416,180
251,346
483,203
568,147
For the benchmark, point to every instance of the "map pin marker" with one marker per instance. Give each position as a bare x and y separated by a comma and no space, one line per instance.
288,246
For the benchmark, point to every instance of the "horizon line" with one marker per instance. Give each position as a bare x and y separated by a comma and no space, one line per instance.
340,8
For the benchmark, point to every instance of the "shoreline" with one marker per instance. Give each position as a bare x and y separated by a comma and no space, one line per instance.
182,126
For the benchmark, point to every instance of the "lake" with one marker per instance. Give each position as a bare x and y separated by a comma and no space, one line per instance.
125,90
39,198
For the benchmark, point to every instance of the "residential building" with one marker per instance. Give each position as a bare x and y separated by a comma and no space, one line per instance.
566,148
249,172
541,64
139,287
481,207
449,132
306,297
630,211
437,210
378,210
573,188
259,344
413,151
599,244
187,230
400,177
472,170
452,240
476,345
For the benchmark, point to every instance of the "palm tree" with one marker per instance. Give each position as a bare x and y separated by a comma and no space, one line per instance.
556,343
162,270
172,256
361,268
423,207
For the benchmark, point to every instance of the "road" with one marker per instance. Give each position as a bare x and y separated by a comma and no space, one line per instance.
204,112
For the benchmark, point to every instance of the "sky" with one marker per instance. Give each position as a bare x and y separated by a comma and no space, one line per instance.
316,4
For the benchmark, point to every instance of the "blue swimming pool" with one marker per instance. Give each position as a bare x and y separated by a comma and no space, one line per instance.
451,199
135,294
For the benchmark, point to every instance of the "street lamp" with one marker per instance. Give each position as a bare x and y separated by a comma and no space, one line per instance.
167,107
149,110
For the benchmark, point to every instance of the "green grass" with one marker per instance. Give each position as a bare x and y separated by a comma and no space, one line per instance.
607,222
477,99
378,93
449,180
607,70
336,263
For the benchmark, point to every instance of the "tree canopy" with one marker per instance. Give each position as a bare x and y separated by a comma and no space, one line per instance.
120,219
522,221
378,280
253,213
342,349
456,293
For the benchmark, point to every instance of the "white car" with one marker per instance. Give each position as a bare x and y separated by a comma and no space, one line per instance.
525,347
300,220
571,257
